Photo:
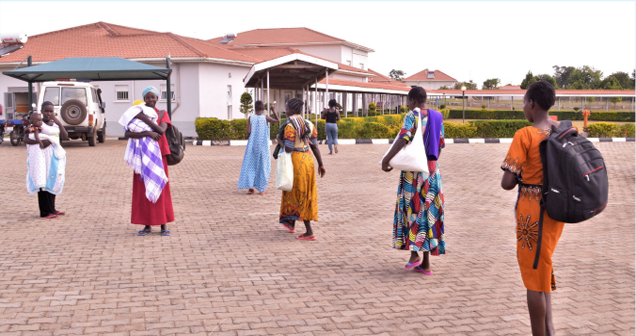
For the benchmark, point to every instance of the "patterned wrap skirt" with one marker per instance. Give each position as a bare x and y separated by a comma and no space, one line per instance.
528,210
302,202
418,224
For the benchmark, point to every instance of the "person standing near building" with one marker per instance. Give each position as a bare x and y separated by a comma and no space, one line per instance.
46,168
332,116
257,165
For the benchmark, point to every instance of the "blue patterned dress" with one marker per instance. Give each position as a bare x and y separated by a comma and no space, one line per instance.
418,223
257,165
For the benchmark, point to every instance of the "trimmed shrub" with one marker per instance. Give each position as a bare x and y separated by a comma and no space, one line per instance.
444,113
456,130
610,130
498,128
563,115
483,107
442,106
213,129
238,128
403,109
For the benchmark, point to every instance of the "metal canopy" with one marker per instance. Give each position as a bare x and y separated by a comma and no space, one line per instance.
91,68
294,71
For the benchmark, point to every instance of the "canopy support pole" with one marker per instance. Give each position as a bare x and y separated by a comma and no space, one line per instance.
268,104
326,87
316,99
169,88
30,89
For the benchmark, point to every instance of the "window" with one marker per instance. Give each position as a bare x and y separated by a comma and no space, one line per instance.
362,66
121,92
229,95
52,94
164,93
94,93
431,75
349,63
73,93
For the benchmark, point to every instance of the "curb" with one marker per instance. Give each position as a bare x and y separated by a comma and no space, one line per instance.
390,141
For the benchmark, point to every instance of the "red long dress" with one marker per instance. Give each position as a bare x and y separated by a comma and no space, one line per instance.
144,212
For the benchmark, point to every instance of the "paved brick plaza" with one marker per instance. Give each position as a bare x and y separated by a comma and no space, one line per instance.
230,269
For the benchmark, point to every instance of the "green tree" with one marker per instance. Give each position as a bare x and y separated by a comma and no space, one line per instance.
469,85
634,78
491,84
623,79
616,100
562,75
525,83
246,103
585,77
444,88
547,78
611,83
398,75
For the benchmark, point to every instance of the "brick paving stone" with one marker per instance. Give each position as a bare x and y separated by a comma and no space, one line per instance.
229,267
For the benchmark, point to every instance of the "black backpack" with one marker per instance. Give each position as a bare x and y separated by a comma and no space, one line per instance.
575,185
176,144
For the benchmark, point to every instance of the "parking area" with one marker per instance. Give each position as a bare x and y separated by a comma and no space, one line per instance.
229,268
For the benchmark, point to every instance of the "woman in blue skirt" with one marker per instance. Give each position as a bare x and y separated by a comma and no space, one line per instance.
256,162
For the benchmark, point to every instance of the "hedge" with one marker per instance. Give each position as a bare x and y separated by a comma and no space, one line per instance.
387,127
609,130
562,115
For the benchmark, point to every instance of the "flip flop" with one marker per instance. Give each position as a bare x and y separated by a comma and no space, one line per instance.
262,193
409,265
301,237
165,232
60,213
419,269
143,232
51,216
249,192
288,228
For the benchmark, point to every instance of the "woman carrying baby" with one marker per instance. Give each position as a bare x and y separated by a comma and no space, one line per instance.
145,211
46,159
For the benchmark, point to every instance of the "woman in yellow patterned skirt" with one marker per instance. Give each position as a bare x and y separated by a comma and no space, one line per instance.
302,202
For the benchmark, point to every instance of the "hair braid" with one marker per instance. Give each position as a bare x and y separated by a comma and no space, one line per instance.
296,105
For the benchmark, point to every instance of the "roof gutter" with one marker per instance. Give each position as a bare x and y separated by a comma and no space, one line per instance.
175,59
347,88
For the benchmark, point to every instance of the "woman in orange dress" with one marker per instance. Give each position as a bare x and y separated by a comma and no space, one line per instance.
535,243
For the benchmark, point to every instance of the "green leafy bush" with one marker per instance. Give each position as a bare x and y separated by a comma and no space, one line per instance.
610,130
498,128
456,130
213,129
576,109
563,115
483,107
403,109
442,106
445,113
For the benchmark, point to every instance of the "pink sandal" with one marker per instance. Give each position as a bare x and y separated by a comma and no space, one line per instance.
409,265
421,270
302,237
288,228
52,216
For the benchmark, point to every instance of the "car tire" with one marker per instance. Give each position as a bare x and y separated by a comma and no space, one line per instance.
101,135
15,141
73,112
91,140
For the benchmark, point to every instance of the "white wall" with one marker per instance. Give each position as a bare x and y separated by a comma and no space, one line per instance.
331,52
213,82
430,85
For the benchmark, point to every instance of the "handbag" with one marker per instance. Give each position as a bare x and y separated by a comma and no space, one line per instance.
284,171
411,157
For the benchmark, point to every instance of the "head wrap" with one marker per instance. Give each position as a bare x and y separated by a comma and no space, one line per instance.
150,89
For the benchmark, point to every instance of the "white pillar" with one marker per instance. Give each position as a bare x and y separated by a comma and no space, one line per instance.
268,105
326,87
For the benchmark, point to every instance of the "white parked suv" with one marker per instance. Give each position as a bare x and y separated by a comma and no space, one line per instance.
79,106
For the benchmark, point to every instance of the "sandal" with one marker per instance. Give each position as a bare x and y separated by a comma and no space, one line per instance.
302,237
143,232
165,232
421,270
51,216
262,193
411,265
288,228
60,213
251,191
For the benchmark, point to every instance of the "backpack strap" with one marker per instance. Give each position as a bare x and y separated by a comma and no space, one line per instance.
537,255
565,124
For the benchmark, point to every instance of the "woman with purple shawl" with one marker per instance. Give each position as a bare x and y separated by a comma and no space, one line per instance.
418,223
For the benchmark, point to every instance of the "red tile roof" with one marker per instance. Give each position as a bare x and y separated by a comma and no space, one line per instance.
624,93
423,77
381,78
374,85
510,87
106,40
280,36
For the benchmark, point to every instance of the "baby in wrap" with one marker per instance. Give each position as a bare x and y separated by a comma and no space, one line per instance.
35,133
143,155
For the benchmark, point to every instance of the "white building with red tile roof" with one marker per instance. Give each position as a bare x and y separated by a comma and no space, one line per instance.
430,79
207,77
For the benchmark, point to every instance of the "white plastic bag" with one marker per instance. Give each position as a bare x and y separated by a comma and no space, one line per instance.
411,157
284,171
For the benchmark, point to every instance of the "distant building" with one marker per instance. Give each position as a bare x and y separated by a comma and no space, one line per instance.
430,79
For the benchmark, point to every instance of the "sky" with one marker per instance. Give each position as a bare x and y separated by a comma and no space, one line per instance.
467,40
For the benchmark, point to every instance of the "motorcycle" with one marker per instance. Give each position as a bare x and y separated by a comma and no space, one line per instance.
17,134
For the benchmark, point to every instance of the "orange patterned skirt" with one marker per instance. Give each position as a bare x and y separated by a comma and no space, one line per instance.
536,268
302,202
